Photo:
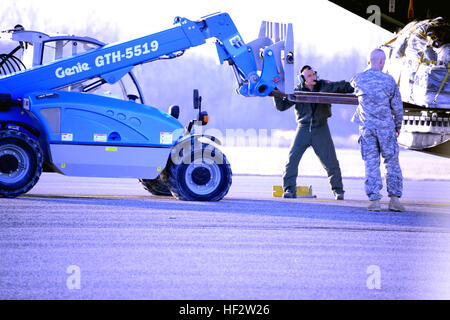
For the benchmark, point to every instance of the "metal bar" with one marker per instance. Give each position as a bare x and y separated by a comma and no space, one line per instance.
323,97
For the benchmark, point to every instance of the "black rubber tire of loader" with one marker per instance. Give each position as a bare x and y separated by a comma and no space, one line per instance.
200,179
156,187
21,162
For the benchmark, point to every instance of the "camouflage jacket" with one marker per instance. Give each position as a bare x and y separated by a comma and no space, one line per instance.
380,104
314,114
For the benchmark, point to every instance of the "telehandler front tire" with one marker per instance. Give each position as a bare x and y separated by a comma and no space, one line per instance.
21,161
201,174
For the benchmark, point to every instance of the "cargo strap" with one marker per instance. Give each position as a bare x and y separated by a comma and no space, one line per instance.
422,60
419,62
442,84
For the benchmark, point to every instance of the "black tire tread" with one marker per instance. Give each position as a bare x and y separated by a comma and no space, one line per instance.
170,175
156,187
35,147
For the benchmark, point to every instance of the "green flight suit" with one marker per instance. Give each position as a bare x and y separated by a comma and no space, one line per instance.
313,130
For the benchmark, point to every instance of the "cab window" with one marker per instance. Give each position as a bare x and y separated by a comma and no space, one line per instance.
65,48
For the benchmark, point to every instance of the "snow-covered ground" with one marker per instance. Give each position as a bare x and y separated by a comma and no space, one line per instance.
271,161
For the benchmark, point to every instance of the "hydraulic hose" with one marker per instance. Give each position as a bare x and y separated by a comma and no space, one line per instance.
9,63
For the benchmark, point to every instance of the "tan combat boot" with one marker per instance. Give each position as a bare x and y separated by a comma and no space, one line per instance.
374,205
395,205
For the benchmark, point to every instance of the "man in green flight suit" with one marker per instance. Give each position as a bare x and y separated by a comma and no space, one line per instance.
313,130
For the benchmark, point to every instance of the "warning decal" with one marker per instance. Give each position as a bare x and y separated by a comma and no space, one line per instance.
165,137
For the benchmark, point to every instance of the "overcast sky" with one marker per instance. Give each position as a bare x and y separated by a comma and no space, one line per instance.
318,24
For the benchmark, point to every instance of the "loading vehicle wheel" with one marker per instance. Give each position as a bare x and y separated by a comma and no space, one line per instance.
198,174
156,187
20,163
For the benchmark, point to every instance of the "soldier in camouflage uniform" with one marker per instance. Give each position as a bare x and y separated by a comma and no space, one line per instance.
313,131
379,115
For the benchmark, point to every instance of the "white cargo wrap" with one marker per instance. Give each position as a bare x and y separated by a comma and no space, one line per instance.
418,59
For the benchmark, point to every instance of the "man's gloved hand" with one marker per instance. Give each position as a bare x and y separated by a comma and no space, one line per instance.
277,94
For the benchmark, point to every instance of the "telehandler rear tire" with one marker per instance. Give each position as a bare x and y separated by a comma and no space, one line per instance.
20,163
156,187
201,174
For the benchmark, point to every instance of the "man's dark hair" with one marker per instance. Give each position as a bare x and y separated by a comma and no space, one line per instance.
305,67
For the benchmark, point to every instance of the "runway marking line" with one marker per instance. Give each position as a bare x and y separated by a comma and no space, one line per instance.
367,201
253,199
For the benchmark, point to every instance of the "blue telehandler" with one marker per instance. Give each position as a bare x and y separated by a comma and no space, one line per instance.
72,105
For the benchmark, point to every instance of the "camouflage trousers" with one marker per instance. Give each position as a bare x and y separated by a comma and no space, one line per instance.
375,142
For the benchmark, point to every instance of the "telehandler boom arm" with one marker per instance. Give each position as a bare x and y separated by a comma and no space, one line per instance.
258,66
